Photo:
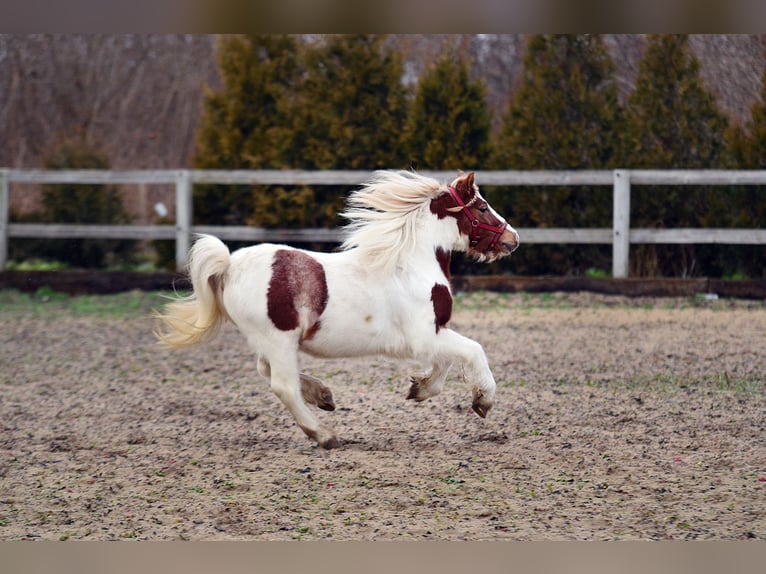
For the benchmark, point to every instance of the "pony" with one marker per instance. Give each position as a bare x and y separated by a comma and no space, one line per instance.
385,291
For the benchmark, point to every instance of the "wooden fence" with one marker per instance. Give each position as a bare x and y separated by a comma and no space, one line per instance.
620,235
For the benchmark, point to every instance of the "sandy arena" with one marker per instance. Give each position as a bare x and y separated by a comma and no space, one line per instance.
615,418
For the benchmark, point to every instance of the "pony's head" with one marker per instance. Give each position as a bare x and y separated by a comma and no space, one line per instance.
385,214
482,232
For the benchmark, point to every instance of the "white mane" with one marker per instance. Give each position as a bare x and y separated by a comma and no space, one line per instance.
383,215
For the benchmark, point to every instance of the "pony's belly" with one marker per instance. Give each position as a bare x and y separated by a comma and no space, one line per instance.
351,342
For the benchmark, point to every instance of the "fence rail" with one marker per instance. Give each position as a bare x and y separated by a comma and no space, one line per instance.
620,235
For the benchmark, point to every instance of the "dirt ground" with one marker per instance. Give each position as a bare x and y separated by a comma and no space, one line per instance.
615,418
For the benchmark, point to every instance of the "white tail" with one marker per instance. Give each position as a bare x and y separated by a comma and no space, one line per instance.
191,319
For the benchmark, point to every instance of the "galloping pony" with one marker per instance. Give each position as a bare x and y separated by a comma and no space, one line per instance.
386,291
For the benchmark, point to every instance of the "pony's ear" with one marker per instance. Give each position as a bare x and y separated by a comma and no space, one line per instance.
463,179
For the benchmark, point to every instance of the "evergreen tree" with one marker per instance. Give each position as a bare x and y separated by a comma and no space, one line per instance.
746,146
449,123
246,125
349,113
673,122
565,115
352,106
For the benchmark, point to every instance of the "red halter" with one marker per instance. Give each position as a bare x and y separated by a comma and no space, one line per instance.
476,225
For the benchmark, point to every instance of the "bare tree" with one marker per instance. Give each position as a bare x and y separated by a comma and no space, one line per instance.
732,67
137,95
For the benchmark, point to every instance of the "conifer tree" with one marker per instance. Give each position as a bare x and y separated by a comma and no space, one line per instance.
246,125
352,105
673,122
746,147
349,113
449,123
746,144
565,115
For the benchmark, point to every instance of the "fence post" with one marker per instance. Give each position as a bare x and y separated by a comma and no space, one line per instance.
183,217
621,223
4,199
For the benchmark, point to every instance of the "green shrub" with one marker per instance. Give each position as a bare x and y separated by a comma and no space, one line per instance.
78,203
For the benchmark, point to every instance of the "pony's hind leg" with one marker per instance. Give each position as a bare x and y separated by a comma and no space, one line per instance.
313,391
285,379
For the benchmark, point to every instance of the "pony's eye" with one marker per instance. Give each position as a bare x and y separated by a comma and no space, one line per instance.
484,209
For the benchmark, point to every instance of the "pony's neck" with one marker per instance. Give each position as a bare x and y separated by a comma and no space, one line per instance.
424,236
436,236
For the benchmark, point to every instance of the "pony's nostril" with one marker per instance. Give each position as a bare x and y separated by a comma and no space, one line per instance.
513,244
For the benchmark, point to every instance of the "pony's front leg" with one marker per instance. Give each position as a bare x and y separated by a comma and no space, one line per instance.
470,355
431,384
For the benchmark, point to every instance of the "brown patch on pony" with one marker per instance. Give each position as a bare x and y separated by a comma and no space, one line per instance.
443,257
444,205
311,331
442,302
297,282
465,189
441,204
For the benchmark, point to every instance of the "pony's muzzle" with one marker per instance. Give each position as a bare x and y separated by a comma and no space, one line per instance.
510,239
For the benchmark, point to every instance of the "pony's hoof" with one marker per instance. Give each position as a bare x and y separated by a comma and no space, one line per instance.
332,442
415,392
324,437
325,401
316,393
480,405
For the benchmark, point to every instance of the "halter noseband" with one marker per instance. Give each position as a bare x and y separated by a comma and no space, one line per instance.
476,225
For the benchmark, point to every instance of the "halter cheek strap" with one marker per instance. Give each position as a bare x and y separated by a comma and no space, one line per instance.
476,225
